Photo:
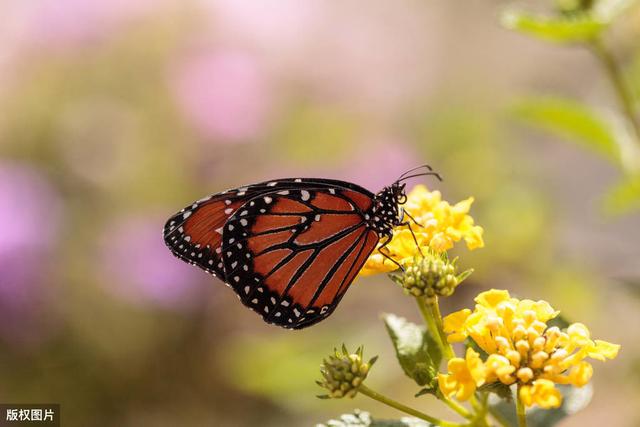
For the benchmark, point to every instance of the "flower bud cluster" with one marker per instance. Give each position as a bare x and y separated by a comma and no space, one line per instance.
344,372
431,276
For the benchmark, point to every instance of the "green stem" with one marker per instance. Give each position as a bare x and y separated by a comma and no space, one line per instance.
456,407
400,407
482,408
520,410
431,314
614,72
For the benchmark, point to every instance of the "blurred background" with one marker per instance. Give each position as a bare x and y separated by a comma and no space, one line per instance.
114,114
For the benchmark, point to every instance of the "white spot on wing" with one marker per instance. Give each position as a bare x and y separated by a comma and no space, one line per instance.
305,195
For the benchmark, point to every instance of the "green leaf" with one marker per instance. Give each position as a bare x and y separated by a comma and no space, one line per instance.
503,391
416,350
623,198
559,29
570,120
560,321
464,275
469,343
432,391
575,400
364,419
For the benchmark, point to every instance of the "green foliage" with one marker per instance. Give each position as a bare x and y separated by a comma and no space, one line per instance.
364,419
560,321
575,400
556,29
416,350
578,22
469,343
624,197
501,390
569,120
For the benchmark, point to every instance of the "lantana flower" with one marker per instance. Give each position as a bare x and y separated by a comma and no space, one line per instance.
522,348
438,226
464,376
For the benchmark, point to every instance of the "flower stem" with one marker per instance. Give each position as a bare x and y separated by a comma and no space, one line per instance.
614,72
481,409
455,406
399,406
520,410
431,314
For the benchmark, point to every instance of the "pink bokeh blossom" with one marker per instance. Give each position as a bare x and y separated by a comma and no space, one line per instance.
30,215
55,25
137,267
381,162
224,95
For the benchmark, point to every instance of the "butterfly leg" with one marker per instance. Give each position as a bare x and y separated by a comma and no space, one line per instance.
415,239
408,224
383,246
411,218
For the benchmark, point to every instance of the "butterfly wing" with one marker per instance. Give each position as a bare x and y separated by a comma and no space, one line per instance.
291,254
195,233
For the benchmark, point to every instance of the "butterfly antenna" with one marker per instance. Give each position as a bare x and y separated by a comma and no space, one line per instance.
414,169
431,173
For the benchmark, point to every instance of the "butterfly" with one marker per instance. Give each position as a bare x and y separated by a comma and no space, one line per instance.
291,247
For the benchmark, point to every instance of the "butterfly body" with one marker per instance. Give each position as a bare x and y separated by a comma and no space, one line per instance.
289,248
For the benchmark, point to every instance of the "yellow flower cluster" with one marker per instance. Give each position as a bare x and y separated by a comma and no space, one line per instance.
521,349
441,225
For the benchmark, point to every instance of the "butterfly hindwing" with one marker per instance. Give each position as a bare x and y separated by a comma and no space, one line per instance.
290,254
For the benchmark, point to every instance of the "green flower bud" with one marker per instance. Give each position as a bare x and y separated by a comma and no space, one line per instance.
430,276
343,373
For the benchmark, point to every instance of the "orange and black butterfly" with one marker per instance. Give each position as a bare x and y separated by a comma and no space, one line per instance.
290,247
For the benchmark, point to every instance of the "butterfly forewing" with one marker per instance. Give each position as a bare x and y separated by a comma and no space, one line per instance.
291,253
195,233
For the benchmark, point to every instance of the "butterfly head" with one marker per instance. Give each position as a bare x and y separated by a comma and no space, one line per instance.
386,212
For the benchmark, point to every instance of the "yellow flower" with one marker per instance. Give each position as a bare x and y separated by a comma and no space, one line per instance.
464,376
441,225
542,393
524,349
